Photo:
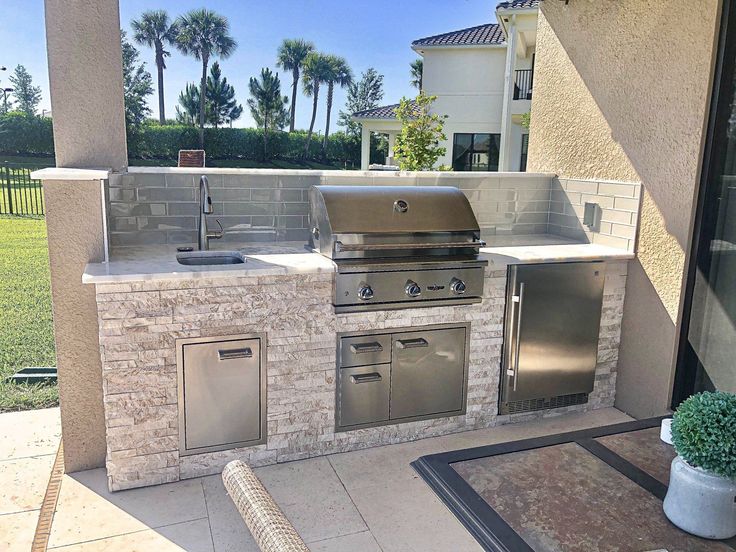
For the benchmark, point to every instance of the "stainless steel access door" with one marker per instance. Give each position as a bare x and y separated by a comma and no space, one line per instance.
553,314
427,372
221,395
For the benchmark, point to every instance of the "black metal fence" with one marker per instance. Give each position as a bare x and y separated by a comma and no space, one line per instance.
19,193
523,84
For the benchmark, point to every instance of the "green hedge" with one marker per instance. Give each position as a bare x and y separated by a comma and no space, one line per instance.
23,135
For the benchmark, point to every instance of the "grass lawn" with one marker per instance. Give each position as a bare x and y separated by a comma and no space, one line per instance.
26,328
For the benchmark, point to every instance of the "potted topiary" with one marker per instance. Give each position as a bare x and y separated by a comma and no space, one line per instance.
701,498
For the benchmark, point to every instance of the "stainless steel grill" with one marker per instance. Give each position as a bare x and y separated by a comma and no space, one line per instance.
398,246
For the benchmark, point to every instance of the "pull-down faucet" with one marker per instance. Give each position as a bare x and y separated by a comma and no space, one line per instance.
205,208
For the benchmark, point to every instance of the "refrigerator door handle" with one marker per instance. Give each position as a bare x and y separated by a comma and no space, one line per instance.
517,337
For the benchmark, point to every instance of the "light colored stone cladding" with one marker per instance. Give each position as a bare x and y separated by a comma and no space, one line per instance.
139,323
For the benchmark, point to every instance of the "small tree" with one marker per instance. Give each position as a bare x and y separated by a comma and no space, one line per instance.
137,86
267,105
417,146
221,103
27,95
363,94
189,104
416,72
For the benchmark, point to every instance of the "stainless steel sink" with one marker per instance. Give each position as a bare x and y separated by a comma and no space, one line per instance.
206,258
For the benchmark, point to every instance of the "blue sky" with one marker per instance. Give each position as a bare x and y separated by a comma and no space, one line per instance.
367,33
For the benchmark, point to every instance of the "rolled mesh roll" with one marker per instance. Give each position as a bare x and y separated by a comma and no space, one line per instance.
268,525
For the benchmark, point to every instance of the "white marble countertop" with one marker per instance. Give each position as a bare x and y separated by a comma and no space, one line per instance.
502,251
158,262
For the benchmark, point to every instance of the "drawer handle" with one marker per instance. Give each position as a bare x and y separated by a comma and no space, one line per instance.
358,348
365,378
230,354
412,343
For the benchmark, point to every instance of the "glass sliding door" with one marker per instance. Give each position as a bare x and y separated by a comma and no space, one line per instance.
475,152
707,356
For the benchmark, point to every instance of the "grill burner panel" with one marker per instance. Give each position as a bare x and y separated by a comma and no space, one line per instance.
398,246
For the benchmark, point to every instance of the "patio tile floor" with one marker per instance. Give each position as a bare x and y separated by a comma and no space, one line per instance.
370,500
28,445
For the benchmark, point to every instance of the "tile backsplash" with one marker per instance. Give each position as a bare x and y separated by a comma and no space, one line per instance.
160,206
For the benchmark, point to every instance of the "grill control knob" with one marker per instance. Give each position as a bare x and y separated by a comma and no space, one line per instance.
412,289
457,286
365,292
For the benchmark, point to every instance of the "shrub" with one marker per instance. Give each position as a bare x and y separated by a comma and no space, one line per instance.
704,432
22,134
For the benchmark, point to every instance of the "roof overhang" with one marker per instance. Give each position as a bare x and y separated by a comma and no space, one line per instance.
421,48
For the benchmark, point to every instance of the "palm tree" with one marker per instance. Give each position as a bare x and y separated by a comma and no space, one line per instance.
203,33
417,69
290,57
267,105
154,30
341,75
317,68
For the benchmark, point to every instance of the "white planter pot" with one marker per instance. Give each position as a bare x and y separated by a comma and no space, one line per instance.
701,502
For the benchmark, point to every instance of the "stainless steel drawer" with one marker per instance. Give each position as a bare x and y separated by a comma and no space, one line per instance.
427,375
363,350
363,395
220,394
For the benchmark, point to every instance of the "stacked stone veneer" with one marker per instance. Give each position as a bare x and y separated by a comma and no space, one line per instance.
140,322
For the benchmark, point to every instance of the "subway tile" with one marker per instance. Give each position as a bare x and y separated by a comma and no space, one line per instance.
137,238
263,194
181,237
121,194
259,220
165,194
611,215
532,218
564,196
574,210
564,220
251,236
167,223
583,186
137,209
251,209
123,224
612,241
233,194
624,190
182,181
294,209
239,223
533,195
250,180
623,231
303,182
557,207
604,228
150,180
291,222
628,204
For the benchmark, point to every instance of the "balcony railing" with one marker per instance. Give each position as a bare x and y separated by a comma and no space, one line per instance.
523,80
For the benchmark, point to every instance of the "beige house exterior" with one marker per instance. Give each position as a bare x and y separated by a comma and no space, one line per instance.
482,77
596,116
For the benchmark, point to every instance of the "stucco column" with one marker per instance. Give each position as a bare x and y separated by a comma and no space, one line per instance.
76,229
86,83
504,161
365,148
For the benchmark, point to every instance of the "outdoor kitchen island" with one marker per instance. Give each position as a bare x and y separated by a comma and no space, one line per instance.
147,301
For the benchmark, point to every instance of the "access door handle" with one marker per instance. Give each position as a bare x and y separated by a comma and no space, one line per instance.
230,354
412,343
517,338
358,348
365,378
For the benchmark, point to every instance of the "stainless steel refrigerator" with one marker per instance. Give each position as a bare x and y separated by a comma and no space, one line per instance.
551,328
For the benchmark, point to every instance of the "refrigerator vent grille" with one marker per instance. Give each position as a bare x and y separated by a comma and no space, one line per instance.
530,405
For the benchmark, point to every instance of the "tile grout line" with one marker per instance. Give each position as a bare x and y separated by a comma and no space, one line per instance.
48,506
207,511
135,532
329,461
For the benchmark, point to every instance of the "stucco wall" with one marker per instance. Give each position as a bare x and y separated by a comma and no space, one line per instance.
620,92
86,83
75,228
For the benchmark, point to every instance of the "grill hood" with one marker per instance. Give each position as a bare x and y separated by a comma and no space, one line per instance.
354,222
